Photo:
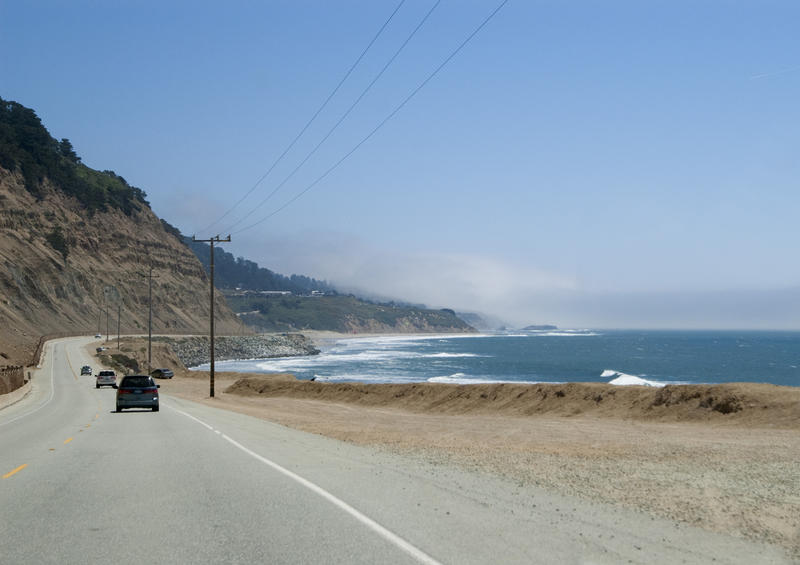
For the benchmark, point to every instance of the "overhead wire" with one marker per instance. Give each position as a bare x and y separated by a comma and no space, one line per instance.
340,120
382,123
311,120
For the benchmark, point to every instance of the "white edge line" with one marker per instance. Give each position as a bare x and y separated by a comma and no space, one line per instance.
49,398
202,423
393,538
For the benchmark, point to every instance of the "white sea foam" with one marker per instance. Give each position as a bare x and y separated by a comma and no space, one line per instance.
364,378
565,333
324,360
462,379
400,340
624,379
449,355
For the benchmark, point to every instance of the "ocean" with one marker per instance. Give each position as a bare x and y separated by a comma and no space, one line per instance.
655,358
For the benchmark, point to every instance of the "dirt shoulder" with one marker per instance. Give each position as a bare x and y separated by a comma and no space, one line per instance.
687,454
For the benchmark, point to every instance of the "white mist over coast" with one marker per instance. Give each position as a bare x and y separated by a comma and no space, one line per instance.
520,295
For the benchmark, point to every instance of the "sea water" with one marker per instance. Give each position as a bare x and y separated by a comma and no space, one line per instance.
656,358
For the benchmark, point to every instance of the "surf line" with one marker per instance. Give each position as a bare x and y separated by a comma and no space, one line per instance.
385,533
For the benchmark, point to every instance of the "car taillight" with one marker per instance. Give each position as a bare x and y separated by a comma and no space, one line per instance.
123,391
152,390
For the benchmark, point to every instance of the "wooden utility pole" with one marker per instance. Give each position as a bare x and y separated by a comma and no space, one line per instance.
211,243
149,276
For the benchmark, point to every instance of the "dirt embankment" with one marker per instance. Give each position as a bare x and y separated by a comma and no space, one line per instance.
746,404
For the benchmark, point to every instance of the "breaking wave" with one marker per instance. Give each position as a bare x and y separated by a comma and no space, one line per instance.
624,379
462,379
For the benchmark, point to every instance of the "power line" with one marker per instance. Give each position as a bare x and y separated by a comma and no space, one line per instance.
313,117
381,124
341,119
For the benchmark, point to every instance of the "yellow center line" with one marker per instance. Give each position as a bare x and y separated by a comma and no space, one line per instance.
69,439
15,471
71,368
88,425
96,416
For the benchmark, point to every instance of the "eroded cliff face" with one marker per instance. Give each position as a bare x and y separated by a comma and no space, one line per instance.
102,265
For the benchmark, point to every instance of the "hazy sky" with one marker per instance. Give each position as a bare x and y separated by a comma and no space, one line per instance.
584,163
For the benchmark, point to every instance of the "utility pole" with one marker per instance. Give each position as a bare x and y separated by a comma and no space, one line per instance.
211,243
149,276
119,315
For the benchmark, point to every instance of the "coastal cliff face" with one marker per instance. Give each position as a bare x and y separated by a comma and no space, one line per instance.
63,267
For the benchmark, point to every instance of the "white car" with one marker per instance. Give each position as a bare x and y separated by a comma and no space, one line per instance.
97,336
106,378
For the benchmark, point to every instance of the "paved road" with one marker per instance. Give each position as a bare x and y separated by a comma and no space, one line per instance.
194,484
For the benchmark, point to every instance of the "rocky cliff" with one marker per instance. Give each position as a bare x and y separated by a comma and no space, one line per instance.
65,269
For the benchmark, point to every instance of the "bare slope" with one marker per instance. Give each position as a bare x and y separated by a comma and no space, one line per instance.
42,292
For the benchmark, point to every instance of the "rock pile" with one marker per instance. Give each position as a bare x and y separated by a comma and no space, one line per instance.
194,351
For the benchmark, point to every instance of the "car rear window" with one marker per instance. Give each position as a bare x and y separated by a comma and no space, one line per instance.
137,381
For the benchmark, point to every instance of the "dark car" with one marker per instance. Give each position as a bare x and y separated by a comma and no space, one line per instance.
162,374
137,391
86,370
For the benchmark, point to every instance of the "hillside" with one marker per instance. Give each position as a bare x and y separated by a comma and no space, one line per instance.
77,245
237,272
302,307
345,314
75,242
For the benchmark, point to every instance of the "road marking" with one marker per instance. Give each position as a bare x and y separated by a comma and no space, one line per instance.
388,535
15,471
66,441
52,389
193,418
88,425
96,416
71,368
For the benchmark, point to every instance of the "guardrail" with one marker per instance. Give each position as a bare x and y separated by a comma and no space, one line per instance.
36,358
37,353
11,378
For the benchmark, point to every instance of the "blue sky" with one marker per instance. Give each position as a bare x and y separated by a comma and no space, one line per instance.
606,164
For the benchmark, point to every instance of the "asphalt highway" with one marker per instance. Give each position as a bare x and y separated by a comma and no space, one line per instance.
194,484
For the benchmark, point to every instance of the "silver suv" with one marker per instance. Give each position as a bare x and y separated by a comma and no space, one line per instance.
106,378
